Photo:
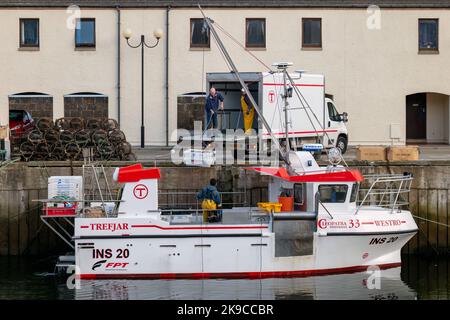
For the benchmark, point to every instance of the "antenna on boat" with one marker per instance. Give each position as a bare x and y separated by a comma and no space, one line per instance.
283,153
282,67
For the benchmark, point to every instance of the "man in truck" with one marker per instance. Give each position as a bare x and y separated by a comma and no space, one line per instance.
214,101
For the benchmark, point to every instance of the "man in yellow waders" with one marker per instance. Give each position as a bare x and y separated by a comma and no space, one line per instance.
210,202
248,110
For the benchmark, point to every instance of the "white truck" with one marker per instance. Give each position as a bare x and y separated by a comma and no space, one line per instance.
311,116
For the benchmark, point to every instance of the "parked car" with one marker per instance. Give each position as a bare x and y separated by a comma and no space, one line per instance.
20,122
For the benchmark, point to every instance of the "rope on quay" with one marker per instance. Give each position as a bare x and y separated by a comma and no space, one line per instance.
428,220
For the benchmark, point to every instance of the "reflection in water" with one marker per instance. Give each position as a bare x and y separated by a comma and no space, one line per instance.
428,277
418,278
344,286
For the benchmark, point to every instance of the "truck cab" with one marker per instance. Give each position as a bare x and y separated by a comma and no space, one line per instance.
337,134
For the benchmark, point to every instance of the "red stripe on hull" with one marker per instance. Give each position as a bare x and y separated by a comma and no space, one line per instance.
196,228
235,275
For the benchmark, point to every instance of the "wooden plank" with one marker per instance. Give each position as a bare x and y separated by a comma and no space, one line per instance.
422,225
432,216
411,248
23,219
4,202
442,218
43,234
33,223
448,219
13,217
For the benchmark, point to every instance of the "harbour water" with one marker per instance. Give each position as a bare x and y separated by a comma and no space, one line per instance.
418,278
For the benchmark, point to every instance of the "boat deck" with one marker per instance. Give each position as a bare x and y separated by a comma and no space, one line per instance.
244,215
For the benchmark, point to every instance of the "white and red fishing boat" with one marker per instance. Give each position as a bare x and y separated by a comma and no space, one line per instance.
328,230
334,221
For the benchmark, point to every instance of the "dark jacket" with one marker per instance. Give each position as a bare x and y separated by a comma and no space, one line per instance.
209,192
212,103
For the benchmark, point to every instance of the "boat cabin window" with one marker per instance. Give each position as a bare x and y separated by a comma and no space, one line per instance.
298,194
354,194
333,193
299,197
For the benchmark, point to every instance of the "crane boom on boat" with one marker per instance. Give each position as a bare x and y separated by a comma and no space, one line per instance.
283,153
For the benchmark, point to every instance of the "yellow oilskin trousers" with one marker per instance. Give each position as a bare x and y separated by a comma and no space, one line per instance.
207,206
248,116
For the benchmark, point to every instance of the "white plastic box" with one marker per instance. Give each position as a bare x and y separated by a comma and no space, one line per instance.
65,186
202,158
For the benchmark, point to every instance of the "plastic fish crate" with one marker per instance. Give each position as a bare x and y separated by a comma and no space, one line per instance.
50,211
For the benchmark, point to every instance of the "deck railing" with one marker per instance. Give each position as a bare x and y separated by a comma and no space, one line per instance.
188,199
385,190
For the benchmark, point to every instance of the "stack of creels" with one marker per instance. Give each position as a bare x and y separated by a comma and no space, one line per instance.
65,139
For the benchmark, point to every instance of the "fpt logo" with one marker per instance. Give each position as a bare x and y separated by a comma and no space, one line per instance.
140,191
98,264
112,265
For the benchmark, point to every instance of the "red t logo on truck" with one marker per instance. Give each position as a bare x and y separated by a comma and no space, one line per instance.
140,191
271,96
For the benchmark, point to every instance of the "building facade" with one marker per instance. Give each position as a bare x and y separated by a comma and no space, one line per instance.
386,66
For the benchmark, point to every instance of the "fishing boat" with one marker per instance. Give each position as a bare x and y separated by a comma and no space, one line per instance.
315,220
326,231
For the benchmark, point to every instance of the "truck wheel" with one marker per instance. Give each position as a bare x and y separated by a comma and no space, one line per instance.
342,144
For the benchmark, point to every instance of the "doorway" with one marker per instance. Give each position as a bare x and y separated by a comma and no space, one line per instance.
428,118
416,117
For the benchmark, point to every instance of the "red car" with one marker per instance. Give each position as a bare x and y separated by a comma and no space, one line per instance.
20,122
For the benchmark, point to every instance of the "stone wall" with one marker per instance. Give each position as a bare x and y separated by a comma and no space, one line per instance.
22,231
86,107
38,107
190,109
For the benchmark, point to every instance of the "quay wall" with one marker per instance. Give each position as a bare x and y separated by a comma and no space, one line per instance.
23,233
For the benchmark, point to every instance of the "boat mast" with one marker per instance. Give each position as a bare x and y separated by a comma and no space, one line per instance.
286,103
283,154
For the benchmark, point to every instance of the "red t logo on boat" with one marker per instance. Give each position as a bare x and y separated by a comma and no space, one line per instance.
140,191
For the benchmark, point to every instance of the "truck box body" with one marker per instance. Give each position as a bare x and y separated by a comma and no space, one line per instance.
312,89
310,117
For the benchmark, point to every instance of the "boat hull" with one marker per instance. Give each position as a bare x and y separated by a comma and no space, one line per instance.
234,256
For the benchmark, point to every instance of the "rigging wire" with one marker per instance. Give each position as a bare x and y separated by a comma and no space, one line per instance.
203,72
271,71
300,97
225,59
242,46
298,93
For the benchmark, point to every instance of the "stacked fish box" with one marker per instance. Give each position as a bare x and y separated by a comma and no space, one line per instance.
67,190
